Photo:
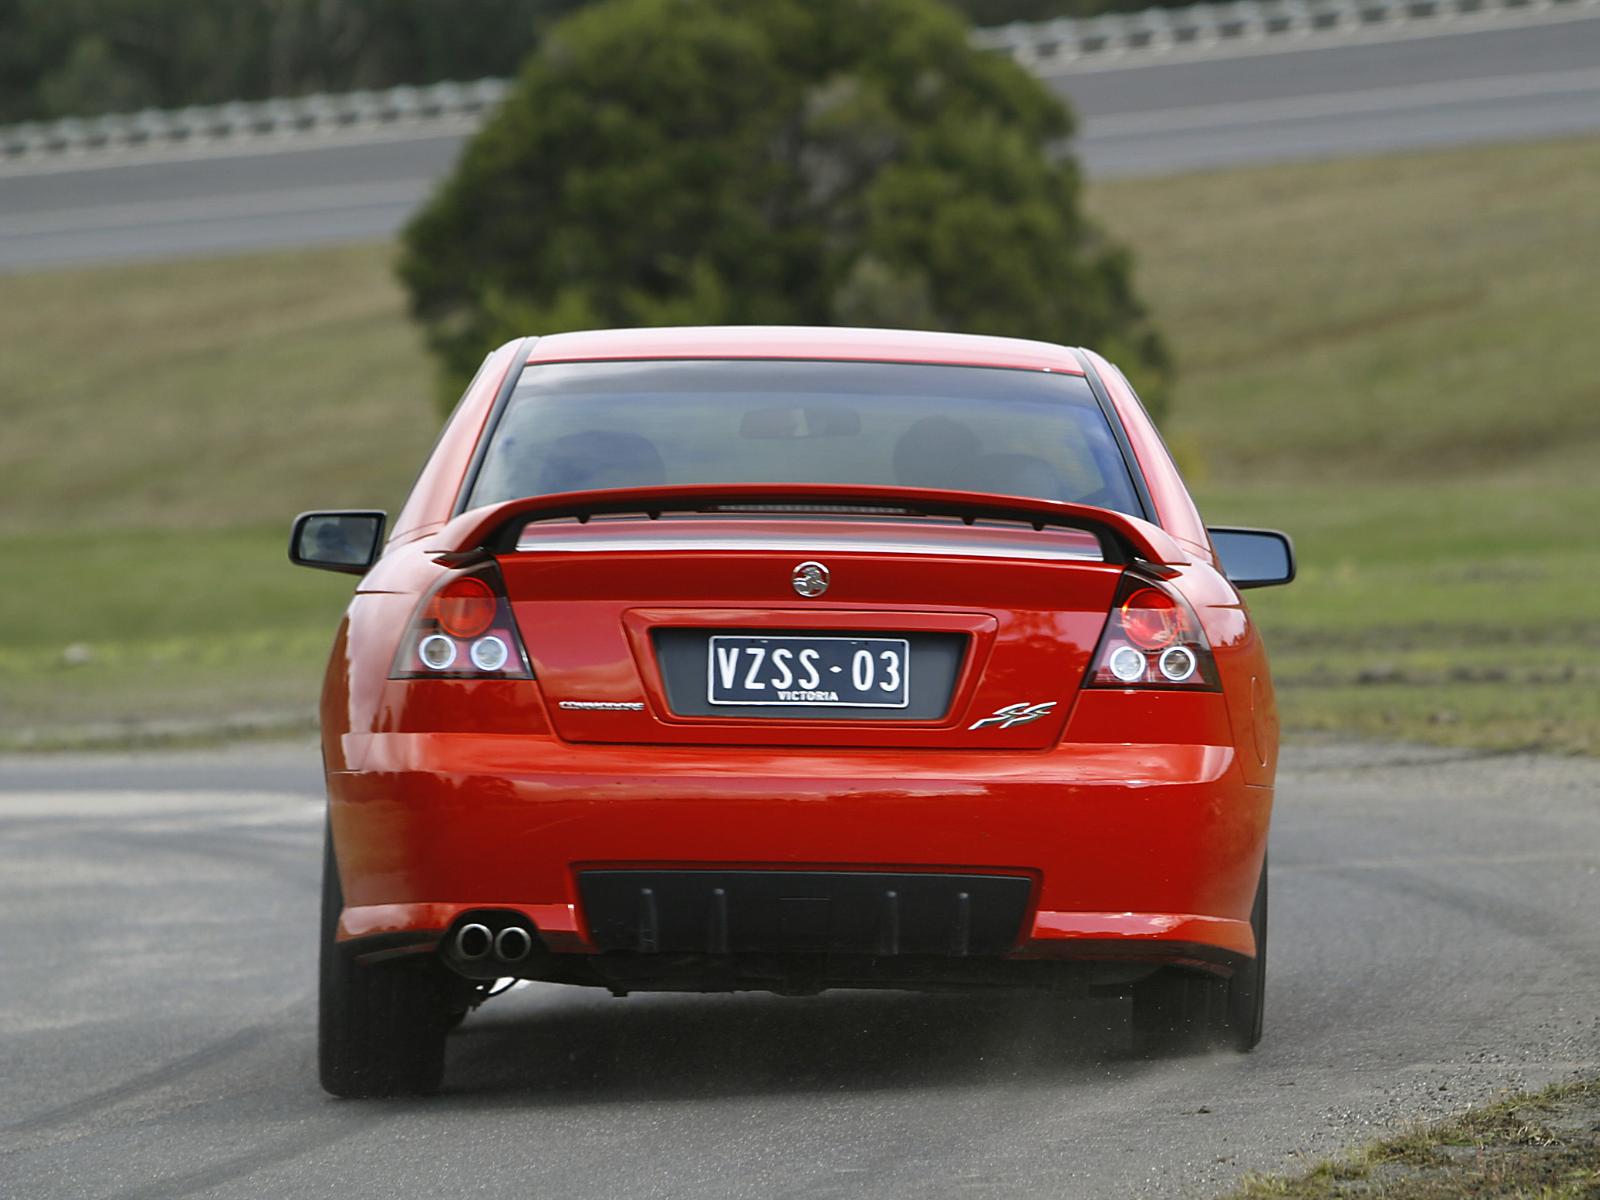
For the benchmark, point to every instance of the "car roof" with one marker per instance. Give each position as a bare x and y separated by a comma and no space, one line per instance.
791,342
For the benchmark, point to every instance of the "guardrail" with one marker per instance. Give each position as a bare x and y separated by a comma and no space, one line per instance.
199,125
1208,25
1043,44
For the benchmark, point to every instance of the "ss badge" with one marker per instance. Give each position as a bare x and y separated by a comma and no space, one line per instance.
1015,714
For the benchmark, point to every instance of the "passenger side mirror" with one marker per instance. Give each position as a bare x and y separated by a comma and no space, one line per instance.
1253,558
337,541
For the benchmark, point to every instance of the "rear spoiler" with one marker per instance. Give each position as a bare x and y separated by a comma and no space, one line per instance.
483,532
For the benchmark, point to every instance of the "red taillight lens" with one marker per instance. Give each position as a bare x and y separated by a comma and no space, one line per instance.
1152,640
1151,619
465,607
464,629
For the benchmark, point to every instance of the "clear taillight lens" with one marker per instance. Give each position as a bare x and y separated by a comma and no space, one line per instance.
463,629
1152,640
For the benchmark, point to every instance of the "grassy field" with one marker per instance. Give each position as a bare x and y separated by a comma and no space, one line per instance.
1392,358
163,424
1395,359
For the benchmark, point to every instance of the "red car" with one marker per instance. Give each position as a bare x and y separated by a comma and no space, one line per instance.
789,659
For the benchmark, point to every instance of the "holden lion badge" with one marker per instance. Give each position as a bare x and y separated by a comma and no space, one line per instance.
810,579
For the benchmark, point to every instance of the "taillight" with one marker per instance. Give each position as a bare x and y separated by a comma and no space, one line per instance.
463,629
465,607
1152,640
1150,618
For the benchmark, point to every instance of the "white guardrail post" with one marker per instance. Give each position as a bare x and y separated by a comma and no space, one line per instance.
1036,45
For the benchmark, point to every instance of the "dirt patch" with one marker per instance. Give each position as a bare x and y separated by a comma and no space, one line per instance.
1545,1145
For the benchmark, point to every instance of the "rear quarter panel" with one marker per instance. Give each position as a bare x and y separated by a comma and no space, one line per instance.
1235,640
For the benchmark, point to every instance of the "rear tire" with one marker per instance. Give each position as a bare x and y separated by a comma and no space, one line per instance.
381,1028
1247,990
1174,1010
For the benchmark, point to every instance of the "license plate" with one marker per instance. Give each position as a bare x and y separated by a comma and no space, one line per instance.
809,672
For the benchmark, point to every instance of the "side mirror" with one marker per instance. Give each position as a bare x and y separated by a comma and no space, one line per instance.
337,541
1253,558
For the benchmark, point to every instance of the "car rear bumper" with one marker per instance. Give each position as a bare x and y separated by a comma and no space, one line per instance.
1149,852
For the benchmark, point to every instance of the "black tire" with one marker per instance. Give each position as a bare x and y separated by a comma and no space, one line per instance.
1247,990
380,1029
1175,1010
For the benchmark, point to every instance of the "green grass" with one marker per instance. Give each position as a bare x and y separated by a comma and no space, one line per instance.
163,423
1544,1146
128,633
211,394
1414,317
1446,611
1392,358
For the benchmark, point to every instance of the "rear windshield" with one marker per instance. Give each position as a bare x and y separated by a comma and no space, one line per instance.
580,426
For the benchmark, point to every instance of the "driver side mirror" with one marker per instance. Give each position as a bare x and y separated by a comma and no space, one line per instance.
1253,558
337,541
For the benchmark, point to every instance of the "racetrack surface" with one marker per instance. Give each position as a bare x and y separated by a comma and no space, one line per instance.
1441,83
1433,940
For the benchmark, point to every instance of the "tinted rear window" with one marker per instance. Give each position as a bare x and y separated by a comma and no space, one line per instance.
579,426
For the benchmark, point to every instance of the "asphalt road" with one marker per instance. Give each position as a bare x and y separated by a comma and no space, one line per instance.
1434,940
1447,83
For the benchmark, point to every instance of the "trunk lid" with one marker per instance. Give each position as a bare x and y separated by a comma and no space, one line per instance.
988,619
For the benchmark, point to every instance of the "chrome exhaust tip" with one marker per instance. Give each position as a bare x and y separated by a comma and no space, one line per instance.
512,944
473,942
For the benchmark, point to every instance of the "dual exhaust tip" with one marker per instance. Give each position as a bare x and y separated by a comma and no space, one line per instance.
475,942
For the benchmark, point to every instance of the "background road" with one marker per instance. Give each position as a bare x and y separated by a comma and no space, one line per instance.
1269,102
1433,940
